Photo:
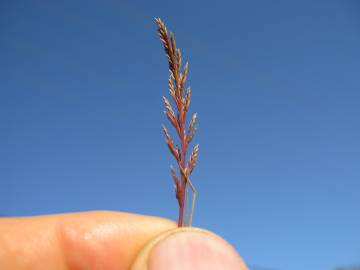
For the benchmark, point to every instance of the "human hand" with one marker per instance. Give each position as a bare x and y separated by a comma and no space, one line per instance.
110,240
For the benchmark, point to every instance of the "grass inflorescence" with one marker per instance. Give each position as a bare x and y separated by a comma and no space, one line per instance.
181,99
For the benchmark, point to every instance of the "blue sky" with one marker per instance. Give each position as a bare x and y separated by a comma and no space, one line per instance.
276,88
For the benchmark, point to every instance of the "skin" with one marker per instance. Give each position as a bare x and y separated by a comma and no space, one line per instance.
90,240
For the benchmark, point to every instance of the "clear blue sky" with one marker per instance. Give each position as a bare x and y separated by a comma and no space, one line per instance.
276,88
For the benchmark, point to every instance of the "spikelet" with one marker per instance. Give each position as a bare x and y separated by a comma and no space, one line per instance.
193,159
191,129
174,150
187,98
184,77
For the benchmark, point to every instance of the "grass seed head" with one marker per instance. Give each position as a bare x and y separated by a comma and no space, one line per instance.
177,116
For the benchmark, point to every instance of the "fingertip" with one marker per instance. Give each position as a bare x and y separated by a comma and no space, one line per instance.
188,248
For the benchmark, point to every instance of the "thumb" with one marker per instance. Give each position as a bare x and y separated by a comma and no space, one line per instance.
188,249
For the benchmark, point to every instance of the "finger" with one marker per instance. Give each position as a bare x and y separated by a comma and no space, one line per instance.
91,240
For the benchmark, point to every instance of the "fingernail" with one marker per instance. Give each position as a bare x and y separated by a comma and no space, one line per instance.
191,249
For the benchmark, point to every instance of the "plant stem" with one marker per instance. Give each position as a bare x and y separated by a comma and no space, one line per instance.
182,164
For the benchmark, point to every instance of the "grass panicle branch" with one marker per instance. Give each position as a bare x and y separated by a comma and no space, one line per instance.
176,83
